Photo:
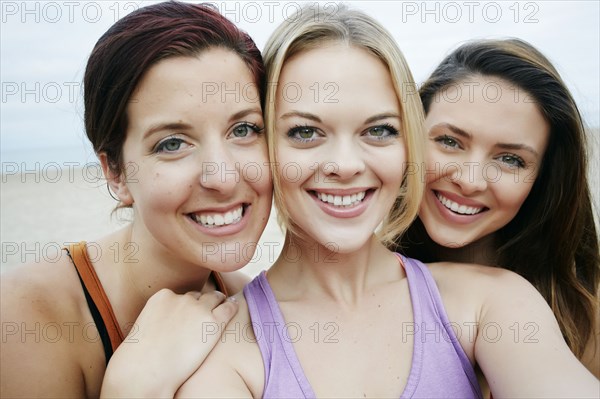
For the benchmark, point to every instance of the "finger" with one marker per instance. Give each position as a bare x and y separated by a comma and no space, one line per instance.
194,294
225,311
211,299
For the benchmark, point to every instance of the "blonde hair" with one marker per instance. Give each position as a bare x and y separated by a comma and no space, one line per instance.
313,27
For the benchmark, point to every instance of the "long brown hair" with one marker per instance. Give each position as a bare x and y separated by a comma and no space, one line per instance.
552,241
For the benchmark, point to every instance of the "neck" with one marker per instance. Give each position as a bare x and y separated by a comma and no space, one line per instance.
306,269
482,251
141,267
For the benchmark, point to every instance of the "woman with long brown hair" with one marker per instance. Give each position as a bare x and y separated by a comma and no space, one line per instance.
506,180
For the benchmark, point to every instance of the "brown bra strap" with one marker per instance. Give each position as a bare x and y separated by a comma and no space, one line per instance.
94,287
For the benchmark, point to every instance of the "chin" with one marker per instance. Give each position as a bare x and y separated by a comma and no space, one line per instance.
452,240
345,245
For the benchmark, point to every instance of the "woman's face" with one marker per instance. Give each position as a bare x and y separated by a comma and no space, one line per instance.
486,140
196,160
340,153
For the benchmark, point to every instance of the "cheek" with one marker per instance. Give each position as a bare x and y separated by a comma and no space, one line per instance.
259,178
511,196
391,166
294,167
162,189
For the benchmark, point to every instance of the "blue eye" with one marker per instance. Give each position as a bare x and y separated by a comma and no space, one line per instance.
512,161
171,144
303,134
244,130
382,132
447,141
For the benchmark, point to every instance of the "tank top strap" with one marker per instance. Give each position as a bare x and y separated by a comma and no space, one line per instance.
436,342
93,286
284,376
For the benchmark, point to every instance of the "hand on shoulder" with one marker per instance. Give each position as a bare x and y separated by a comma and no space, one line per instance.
169,341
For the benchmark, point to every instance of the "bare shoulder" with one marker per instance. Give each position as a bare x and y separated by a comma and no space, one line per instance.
480,280
42,291
234,368
42,324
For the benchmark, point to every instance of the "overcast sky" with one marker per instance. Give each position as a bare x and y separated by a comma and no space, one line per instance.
44,46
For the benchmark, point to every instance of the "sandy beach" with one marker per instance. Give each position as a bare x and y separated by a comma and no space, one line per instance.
43,210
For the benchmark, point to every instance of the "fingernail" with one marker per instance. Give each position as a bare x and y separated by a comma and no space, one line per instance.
232,299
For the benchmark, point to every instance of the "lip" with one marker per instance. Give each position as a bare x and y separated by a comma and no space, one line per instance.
341,191
343,213
452,217
225,230
460,200
221,209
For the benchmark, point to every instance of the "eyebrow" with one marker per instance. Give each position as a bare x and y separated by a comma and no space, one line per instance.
159,127
510,146
315,118
300,114
245,112
385,115
184,126
505,146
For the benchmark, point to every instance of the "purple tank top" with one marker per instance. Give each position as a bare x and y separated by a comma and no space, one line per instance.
440,368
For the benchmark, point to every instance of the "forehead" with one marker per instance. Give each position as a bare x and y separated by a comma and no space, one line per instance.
215,75
490,108
334,76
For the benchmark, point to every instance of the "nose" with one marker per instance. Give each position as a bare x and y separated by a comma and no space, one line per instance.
345,159
220,172
470,177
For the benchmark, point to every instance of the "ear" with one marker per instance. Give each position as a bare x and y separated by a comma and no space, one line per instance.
116,182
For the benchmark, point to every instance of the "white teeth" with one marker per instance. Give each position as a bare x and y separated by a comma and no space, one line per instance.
455,207
342,200
218,219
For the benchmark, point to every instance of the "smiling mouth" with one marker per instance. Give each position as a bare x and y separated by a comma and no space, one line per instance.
457,208
341,201
219,219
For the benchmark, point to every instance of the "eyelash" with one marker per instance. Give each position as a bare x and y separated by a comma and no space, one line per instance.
393,131
520,163
443,141
160,146
257,129
297,129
